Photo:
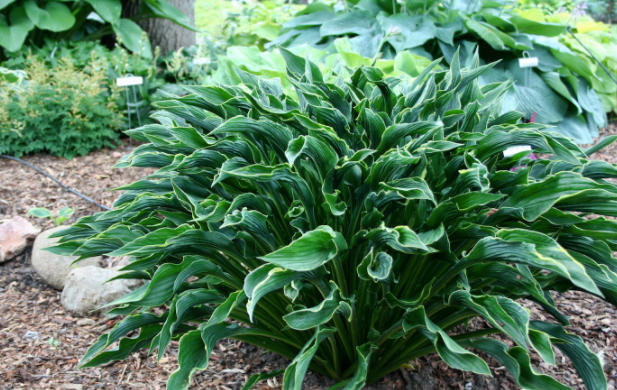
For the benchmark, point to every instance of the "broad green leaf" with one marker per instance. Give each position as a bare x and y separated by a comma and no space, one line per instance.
295,372
586,362
449,350
109,10
318,315
310,251
133,37
517,362
13,35
40,212
54,17
500,312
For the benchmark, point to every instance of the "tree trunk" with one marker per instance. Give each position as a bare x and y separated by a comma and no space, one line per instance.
165,33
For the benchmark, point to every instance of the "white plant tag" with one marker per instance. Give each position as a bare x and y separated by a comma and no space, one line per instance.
528,62
511,151
128,81
201,61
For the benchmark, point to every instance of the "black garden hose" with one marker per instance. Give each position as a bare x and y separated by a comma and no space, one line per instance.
69,189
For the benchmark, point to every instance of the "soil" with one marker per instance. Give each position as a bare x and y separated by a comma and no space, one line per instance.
48,360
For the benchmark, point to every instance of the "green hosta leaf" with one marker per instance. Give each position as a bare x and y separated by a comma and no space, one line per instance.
586,362
528,26
165,10
449,350
127,346
40,212
5,3
127,325
518,363
178,311
265,279
310,251
295,372
375,267
192,357
355,22
487,33
542,343
252,381
12,36
502,313
534,249
318,315
54,17
109,10
133,37
400,238
537,198
358,380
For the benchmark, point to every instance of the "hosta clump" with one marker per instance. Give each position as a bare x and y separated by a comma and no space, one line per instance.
356,228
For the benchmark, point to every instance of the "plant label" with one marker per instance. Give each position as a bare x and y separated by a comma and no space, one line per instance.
528,62
201,61
128,81
512,150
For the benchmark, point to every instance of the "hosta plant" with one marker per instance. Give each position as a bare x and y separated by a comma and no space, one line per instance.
356,229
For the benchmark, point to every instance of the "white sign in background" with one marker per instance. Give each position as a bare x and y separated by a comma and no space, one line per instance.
511,151
128,81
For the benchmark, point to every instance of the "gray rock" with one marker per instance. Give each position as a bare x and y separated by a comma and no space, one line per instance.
86,322
52,268
14,236
85,290
121,261
31,335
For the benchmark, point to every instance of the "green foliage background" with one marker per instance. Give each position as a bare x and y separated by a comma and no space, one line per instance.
64,111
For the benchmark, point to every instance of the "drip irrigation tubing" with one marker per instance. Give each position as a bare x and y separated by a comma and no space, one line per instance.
591,54
69,189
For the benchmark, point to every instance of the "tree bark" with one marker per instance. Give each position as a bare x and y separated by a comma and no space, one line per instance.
163,32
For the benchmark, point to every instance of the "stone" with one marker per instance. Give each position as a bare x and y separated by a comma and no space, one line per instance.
85,322
85,290
120,261
14,236
52,268
31,335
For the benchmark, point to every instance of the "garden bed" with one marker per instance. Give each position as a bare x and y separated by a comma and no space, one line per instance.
28,304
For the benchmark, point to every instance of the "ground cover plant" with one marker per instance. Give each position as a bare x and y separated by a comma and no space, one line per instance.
356,229
561,91
63,110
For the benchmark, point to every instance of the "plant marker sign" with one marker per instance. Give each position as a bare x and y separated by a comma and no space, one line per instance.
129,81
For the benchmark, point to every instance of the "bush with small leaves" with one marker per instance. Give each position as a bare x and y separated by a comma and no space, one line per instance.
356,229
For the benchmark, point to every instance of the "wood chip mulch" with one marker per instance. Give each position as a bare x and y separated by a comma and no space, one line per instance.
41,343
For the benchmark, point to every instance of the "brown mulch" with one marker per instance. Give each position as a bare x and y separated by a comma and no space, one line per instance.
49,360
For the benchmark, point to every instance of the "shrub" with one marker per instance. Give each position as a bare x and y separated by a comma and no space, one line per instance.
356,229
63,111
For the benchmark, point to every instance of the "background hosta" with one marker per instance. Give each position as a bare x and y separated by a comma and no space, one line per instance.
568,89
355,229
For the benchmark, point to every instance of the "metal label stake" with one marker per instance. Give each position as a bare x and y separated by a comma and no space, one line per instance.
131,81
527,62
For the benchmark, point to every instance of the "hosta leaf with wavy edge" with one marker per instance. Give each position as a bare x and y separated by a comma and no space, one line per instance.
449,350
310,251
